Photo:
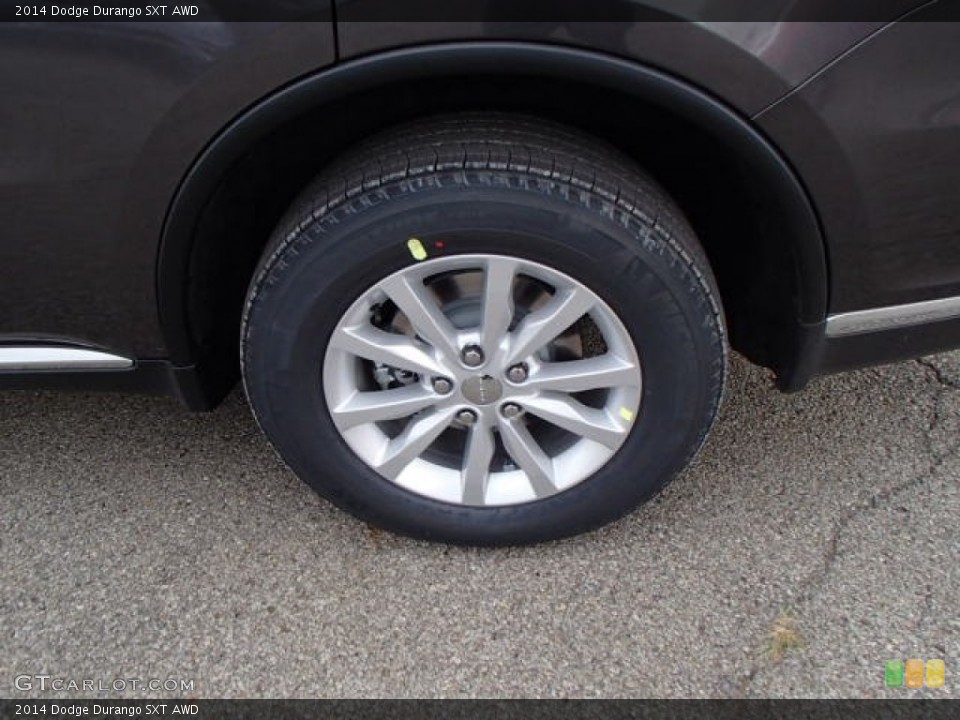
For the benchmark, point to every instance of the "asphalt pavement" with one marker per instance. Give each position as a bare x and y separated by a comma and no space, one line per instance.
815,538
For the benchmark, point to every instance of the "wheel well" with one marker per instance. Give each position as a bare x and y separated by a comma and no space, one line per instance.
746,225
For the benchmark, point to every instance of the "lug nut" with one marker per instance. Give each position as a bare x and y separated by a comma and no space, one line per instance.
467,417
517,374
511,410
442,385
472,356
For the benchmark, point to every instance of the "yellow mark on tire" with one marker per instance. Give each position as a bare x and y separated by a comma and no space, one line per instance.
416,249
627,414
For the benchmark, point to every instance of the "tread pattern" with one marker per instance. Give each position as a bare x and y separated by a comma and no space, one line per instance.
588,172
492,142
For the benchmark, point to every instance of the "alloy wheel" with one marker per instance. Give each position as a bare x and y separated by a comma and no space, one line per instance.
482,380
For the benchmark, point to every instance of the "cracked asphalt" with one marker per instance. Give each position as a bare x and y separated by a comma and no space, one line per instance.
142,541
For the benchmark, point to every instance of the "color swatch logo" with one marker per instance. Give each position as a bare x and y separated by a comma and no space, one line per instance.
911,673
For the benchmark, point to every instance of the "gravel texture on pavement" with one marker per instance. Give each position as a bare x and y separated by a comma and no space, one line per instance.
815,538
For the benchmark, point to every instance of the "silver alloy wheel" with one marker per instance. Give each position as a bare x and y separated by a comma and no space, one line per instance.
541,380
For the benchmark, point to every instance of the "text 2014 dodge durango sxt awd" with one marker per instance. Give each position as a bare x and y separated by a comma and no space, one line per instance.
479,275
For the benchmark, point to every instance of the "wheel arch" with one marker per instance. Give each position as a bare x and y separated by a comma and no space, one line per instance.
221,215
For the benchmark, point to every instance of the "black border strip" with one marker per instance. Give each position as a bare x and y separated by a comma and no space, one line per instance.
486,709
549,12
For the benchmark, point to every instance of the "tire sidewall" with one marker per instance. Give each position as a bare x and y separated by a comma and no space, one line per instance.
315,275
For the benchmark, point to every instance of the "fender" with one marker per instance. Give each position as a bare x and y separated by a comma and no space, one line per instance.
798,227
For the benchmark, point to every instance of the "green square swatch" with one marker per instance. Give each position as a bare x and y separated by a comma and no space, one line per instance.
894,673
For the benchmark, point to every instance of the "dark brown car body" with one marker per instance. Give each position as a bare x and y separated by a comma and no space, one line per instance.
145,163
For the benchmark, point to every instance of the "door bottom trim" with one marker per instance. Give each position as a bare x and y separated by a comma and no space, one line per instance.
892,317
29,358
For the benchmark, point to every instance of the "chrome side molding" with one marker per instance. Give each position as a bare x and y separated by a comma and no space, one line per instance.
27,358
894,316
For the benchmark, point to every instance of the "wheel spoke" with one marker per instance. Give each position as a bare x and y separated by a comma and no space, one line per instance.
476,465
410,444
391,349
497,301
414,299
603,371
542,326
370,407
513,310
529,457
577,418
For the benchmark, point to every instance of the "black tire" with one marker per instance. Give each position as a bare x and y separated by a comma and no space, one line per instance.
498,184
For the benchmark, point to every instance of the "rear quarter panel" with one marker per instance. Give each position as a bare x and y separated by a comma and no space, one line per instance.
99,124
749,63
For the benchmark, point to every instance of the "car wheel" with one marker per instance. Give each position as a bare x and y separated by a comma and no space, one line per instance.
484,329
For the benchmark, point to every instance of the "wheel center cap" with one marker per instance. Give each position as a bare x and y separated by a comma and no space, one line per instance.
482,389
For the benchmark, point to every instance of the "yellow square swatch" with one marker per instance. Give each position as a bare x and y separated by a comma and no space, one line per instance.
936,670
